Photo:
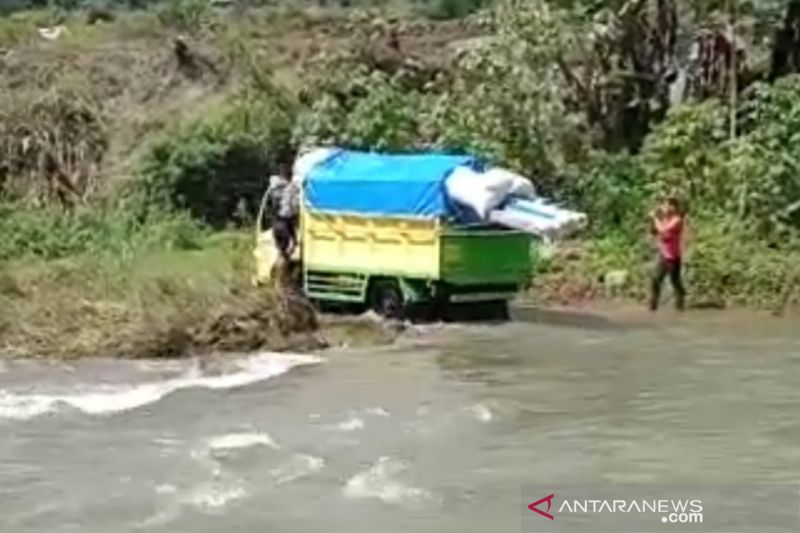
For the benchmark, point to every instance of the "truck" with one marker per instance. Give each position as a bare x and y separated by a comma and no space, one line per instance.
378,231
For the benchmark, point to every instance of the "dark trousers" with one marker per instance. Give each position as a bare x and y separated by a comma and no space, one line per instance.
672,268
284,233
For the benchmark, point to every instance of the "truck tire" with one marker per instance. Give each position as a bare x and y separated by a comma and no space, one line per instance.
386,299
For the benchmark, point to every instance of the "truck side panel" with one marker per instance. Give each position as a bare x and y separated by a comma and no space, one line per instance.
485,257
399,247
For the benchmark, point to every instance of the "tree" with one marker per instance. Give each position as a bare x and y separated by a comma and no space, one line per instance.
786,45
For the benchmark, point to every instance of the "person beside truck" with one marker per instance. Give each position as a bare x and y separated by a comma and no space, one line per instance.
283,203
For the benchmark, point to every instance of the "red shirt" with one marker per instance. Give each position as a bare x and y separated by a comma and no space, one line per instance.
670,238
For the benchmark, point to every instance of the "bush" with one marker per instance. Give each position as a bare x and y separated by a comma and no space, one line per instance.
612,189
753,177
53,234
51,145
185,15
727,262
216,168
381,115
20,28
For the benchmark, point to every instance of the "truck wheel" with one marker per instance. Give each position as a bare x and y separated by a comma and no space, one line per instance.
386,299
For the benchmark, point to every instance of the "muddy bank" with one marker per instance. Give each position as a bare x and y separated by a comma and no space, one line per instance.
232,331
581,275
269,322
165,306
625,315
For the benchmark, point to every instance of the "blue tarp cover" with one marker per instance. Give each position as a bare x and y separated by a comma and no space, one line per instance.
383,185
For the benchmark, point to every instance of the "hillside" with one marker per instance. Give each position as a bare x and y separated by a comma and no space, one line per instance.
77,109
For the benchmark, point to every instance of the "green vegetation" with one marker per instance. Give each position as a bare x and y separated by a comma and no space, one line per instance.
215,168
125,153
525,96
740,193
51,235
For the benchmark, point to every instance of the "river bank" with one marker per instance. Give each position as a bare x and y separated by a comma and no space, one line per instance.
182,303
160,304
600,273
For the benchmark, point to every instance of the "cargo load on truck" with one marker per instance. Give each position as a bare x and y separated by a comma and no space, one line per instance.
456,188
375,184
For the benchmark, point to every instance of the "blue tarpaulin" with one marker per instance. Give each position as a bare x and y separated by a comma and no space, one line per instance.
383,185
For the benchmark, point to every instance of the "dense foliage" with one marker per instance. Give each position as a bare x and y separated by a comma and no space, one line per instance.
216,167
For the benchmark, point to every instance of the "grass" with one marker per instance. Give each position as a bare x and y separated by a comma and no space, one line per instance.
20,28
158,303
724,266
107,305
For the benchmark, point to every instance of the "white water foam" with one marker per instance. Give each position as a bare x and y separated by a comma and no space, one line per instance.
214,497
482,413
299,466
105,400
210,498
166,488
215,451
378,411
238,441
352,424
376,482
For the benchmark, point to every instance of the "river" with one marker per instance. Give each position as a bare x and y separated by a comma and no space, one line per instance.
437,433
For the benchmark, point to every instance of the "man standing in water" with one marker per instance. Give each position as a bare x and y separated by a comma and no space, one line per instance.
668,222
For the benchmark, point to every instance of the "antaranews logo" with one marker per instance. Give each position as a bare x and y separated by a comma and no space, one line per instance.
680,511
667,508
534,506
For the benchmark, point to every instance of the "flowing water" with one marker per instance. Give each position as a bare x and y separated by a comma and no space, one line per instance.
435,434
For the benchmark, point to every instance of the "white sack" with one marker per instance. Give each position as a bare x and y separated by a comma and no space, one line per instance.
480,191
520,185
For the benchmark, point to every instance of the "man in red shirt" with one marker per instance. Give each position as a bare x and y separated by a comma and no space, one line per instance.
668,226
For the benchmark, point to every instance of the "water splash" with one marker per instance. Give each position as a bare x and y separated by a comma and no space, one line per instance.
109,400
377,482
352,424
299,466
482,413
212,498
238,441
